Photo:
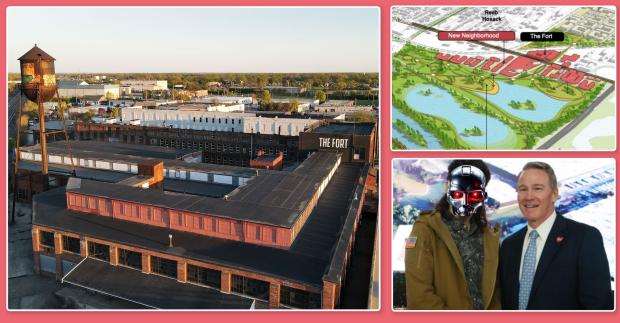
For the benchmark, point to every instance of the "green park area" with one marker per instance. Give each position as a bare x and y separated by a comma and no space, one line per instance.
415,66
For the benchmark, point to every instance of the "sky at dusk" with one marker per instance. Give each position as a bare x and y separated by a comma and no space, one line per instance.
197,39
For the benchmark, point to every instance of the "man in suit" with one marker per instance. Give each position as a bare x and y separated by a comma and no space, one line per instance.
553,263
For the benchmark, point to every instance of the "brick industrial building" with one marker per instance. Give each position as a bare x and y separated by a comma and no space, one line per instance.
279,238
238,148
222,148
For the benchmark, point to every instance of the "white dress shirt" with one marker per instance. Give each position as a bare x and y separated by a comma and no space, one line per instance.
543,233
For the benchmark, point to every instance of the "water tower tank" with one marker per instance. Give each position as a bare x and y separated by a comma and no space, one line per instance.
38,74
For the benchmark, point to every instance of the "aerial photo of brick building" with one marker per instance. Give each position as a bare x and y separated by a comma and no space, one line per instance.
134,220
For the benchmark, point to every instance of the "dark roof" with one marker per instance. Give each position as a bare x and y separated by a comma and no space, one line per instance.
134,286
85,173
197,188
237,210
346,128
129,153
292,191
109,151
36,52
306,261
275,198
173,185
317,164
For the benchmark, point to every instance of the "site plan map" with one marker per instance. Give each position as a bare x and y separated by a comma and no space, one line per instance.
503,78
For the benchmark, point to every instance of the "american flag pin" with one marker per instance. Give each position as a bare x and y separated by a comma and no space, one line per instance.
559,239
410,243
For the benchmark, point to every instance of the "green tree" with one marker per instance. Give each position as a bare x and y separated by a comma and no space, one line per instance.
321,96
115,113
361,116
61,109
294,105
264,97
86,117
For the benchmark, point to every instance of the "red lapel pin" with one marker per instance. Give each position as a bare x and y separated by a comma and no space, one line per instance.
559,239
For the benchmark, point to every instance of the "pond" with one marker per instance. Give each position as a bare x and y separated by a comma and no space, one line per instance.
432,142
545,107
441,104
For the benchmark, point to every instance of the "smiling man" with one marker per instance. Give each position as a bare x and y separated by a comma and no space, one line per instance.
553,263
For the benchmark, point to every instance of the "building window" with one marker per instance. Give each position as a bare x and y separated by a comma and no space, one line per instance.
71,244
204,276
130,258
298,298
164,267
251,287
46,241
99,251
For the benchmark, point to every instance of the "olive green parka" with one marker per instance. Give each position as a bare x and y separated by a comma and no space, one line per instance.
435,276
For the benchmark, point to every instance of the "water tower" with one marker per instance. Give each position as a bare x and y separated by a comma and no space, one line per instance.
38,84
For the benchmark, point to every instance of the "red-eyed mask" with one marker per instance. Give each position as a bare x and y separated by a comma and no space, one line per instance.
466,190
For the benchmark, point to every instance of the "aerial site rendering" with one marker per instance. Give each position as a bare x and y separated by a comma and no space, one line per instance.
503,78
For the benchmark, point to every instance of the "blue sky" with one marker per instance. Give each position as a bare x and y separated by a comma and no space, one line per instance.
198,40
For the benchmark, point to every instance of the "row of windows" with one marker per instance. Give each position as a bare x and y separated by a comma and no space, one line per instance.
225,160
69,244
219,120
83,201
255,288
139,212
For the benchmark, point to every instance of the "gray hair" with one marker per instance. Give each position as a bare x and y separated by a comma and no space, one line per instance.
553,181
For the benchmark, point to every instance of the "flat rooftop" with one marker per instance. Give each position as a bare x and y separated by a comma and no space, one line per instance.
102,150
134,286
306,261
360,129
173,185
275,198
128,153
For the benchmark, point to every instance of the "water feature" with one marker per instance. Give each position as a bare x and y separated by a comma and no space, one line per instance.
546,107
431,140
441,104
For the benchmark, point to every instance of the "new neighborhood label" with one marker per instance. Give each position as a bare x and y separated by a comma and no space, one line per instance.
476,35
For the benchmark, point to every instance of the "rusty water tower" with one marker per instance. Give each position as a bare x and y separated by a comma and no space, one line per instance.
38,84
38,75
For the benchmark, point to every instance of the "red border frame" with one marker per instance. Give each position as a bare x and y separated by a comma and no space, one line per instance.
385,314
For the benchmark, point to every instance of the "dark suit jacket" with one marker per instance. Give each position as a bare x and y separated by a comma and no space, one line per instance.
572,273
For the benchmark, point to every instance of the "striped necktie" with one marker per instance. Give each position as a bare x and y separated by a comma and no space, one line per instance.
528,269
